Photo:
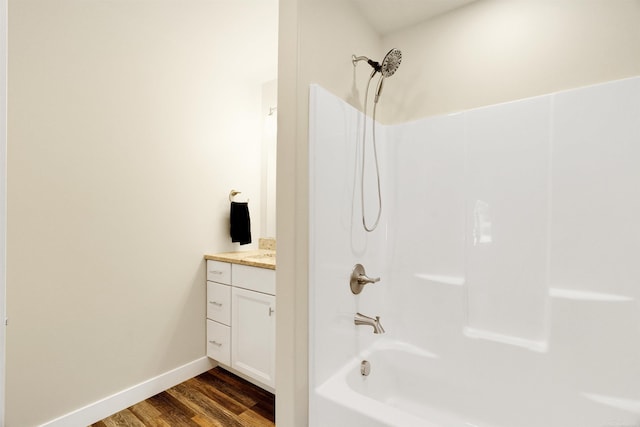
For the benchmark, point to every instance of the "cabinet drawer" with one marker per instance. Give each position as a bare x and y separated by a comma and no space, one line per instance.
254,278
219,342
219,272
219,302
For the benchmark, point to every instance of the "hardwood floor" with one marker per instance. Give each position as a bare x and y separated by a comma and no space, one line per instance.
216,398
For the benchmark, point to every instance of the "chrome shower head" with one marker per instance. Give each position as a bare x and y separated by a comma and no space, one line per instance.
389,66
391,62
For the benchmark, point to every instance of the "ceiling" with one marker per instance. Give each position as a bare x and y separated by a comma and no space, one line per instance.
387,16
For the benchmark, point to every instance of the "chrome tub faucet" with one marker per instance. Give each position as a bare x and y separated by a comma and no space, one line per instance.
361,319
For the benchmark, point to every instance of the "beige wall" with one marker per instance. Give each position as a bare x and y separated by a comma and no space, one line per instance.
488,52
129,122
3,193
494,51
317,39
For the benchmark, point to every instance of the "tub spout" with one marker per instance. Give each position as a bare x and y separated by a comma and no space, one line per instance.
361,319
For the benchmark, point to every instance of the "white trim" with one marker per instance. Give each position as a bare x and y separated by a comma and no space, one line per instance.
101,409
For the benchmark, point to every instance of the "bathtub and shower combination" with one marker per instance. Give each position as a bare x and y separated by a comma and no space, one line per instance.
507,251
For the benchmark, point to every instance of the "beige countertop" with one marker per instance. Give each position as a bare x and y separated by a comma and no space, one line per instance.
263,258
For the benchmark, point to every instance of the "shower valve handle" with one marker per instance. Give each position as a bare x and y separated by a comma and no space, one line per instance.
364,279
359,278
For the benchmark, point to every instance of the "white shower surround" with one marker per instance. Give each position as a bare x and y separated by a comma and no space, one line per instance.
508,256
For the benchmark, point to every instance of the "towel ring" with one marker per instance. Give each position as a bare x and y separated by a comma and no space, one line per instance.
233,193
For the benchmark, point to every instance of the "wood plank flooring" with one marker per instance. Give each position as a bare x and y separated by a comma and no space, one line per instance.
216,398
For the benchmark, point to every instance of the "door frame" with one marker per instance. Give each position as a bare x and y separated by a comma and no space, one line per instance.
3,197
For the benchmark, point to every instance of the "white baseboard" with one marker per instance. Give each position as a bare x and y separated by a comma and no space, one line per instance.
96,411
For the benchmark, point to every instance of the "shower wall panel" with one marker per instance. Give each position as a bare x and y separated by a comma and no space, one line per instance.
595,242
596,198
507,183
427,229
507,251
336,232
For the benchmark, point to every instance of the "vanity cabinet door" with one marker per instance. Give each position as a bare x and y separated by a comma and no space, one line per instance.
253,334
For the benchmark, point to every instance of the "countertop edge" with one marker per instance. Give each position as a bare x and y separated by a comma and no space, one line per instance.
241,258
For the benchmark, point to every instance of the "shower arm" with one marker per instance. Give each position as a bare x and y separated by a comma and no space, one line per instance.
376,65
377,68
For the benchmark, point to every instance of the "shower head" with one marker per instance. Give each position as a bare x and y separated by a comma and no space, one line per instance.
389,66
391,62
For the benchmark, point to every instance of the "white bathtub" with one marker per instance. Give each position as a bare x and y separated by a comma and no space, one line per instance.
411,387
405,388
383,398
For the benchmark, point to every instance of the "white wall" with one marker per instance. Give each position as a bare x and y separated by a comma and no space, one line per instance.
129,122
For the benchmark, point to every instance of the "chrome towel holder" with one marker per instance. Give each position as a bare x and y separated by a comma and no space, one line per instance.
234,193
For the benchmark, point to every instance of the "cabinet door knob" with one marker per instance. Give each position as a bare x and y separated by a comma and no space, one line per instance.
271,311
215,271
219,304
215,343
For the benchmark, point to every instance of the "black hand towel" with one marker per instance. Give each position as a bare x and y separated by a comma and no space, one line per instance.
240,223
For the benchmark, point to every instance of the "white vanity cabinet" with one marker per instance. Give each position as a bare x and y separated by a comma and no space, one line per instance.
241,320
